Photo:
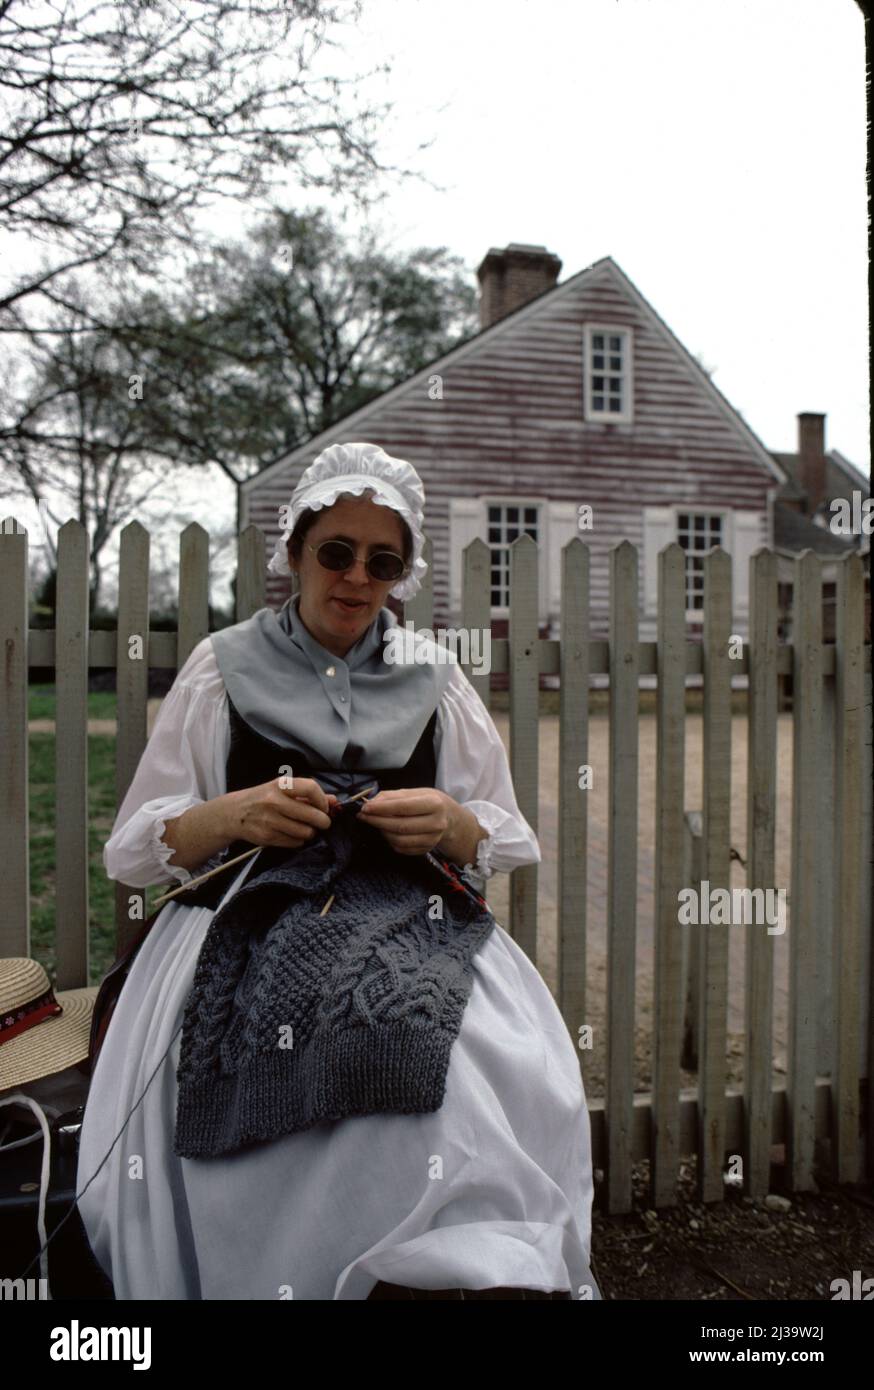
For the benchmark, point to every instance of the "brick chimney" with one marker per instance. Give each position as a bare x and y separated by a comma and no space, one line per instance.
811,457
512,277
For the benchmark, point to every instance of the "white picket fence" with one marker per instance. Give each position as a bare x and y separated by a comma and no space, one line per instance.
831,712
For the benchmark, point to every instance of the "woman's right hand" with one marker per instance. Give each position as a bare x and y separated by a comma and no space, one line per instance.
284,817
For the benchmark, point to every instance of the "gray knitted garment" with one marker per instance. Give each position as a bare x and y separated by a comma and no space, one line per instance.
295,1018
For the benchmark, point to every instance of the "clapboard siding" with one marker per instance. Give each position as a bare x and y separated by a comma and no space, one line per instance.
510,423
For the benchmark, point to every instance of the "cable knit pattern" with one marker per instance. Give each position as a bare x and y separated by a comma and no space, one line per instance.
373,993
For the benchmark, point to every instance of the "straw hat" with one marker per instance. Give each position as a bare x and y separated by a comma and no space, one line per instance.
40,1032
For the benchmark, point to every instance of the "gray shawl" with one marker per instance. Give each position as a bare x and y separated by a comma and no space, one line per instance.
338,711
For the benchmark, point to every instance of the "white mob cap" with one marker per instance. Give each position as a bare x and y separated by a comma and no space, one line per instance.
358,468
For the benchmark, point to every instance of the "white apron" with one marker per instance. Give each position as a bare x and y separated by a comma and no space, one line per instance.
494,1189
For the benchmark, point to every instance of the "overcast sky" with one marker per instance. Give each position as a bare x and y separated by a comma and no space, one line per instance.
714,148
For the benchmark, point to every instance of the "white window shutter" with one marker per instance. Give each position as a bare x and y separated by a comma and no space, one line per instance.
465,524
748,535
561,527
659,530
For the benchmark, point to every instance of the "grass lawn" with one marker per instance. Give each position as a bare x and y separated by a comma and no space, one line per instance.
41,703
101,813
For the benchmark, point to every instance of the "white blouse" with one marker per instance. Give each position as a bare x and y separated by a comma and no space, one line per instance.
184,765
493,1189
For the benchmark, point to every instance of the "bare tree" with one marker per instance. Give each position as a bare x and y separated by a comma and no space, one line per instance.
120,122
81,436
265,344
273,340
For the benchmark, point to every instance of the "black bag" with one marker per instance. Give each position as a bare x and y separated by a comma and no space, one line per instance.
108,994
73,1270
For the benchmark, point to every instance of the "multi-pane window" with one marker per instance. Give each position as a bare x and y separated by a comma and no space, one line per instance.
697,532
608,392
507,522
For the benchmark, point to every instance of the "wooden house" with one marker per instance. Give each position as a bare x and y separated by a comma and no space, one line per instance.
572,396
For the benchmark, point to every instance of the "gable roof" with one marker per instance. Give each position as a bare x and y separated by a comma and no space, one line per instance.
733,415
791,490
342,429
854,474
842,478
795,532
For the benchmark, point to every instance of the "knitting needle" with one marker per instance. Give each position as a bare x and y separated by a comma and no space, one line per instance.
195,882
335,807
365,792
350,799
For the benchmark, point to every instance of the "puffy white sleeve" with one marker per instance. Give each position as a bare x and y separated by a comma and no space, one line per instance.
183,764
472,768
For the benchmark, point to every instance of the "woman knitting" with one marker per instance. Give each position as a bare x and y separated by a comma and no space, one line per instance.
336,1075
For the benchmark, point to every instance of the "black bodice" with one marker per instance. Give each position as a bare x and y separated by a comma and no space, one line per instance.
253,759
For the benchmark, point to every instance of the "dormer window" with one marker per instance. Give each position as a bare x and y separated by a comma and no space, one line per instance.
607,363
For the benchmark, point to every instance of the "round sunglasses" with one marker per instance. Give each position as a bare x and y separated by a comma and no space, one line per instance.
383,565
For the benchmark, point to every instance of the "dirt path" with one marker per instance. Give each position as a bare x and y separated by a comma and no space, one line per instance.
596,927
733,1250
95,726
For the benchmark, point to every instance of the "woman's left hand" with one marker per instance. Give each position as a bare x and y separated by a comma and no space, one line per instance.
412,819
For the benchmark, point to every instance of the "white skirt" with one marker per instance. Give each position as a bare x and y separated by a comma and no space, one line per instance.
493,1189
